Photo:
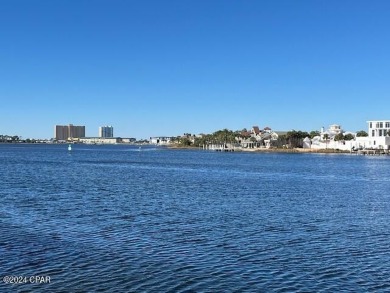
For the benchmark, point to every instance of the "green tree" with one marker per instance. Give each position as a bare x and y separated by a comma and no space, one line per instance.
361,133
326,138
204,140
282,141
314,133
339,137
218,137
348,136
223,136
184,141
295,138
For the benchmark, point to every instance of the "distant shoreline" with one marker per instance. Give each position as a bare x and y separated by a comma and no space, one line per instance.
272,150
247,150
298,150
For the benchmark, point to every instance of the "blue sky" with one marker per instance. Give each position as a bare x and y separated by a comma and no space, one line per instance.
156,68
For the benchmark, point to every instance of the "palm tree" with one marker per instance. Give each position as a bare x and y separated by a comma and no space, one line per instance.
326,138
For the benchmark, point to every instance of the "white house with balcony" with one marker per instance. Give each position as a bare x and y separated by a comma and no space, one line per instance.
326,139
331,132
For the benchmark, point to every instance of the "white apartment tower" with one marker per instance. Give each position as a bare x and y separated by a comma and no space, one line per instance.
106,131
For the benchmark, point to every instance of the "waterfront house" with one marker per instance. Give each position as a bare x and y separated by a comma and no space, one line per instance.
378,138
378,135
257,138
326,139
160,140
255,131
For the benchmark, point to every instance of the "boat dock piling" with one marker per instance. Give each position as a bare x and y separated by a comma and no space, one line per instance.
373,152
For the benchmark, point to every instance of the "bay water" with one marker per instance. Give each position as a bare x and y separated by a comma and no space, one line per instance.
151,219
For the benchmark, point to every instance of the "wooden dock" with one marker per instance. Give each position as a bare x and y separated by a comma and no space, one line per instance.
222,147
373,152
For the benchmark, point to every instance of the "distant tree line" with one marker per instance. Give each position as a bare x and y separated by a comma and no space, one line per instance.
218,137
9,138
293,139
16,139
341,136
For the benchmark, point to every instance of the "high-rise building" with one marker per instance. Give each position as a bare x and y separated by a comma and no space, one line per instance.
64,132
61,132
106,131
76,131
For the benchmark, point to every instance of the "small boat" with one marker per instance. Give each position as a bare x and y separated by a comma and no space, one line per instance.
69,147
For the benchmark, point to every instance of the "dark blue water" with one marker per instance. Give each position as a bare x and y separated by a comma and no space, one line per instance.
116,219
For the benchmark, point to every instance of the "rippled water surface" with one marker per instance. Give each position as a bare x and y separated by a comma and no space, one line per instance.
120,219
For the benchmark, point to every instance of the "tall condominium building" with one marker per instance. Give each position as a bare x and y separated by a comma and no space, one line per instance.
106,131
61,132
64,132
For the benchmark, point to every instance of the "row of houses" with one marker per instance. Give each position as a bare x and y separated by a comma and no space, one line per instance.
254,138
258,138
378,138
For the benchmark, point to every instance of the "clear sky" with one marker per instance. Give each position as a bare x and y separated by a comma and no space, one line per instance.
165,67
